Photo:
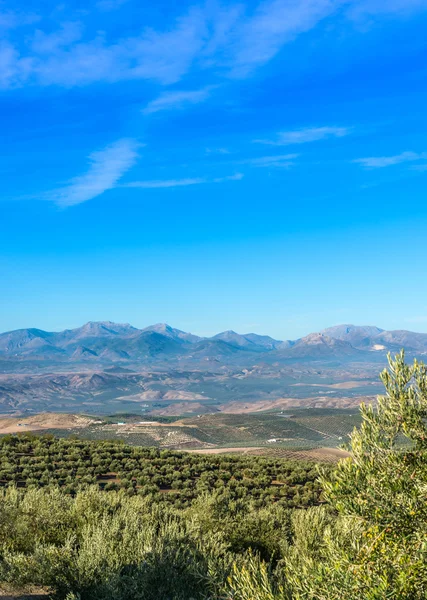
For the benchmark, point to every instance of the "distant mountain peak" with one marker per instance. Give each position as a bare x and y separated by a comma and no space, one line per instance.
171,332
160,327
232,337
264,340
319,338
107,324
102,328
248,341
347,328
356,335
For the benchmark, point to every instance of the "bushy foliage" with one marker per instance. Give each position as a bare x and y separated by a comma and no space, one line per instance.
112,546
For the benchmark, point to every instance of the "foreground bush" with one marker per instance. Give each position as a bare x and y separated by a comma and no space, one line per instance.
112,546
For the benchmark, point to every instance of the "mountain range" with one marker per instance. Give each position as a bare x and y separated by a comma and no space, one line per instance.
107,342
105,367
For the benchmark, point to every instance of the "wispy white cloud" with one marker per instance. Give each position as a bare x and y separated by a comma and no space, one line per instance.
256,40
171,183
13,68
164,57
208,36
303,136
235,177
65,58
378,162
166,183
48,43
107,166
177,99
280,161
229,41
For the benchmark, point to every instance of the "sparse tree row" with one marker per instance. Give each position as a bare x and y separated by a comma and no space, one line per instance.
230,534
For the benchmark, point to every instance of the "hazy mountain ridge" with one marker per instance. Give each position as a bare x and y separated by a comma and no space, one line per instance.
110,342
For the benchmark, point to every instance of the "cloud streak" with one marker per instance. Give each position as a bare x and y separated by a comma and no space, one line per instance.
278,160
257,39
306,135
217,151
172,183
379,162
106,168
177,99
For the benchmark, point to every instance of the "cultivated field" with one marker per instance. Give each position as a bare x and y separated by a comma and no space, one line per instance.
309,434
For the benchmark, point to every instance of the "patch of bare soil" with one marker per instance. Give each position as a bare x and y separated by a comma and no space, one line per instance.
316,454
329,455
336,452
43,421
238,407
343,385
224,450
174,395
179,408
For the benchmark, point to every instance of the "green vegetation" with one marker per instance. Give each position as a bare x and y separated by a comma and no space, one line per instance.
252,429
303,429
165,476
221,528
334,427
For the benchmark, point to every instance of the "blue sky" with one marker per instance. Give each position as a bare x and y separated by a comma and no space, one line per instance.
257,166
